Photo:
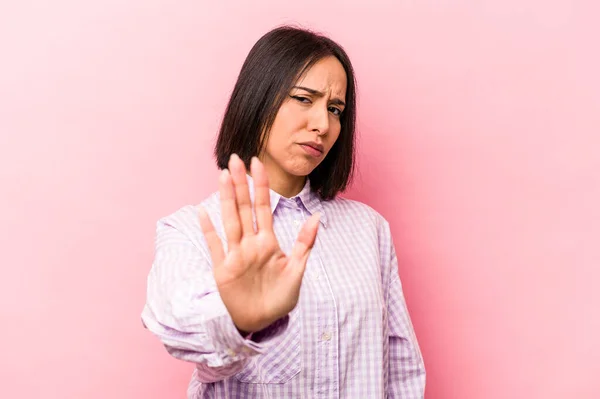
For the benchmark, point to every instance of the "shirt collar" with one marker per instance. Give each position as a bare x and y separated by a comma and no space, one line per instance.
309,199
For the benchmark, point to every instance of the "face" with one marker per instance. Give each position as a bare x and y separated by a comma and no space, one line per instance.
307,123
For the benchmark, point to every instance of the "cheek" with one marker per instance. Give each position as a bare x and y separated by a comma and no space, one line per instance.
291,117
279,141
285,127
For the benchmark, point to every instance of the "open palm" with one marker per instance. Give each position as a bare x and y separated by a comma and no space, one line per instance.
258,283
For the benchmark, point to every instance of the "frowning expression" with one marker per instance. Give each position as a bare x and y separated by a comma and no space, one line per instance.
307,124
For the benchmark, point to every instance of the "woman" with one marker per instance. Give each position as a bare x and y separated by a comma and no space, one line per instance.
274,286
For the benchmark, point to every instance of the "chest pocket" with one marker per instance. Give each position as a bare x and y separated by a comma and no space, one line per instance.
280,363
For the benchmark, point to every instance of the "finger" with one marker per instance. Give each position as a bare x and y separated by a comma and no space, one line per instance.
262,198
215,246
242,193
229,212
304,243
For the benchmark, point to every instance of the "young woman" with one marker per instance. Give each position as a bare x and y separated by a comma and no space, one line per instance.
275,287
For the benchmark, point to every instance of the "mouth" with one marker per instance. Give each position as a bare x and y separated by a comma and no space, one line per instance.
312,148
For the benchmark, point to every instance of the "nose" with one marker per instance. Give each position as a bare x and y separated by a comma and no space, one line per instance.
319,120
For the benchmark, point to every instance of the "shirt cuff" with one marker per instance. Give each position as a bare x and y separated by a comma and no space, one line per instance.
231,346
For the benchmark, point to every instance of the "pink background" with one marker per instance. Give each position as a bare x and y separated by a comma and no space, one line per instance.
480,135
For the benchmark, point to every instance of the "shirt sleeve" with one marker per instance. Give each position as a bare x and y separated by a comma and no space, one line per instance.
185,311
406,374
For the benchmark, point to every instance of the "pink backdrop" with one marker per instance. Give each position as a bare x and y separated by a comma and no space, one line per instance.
480,124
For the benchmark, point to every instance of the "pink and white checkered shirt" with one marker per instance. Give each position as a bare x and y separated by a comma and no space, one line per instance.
350,336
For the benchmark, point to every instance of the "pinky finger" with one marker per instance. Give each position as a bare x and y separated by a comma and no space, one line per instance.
212,239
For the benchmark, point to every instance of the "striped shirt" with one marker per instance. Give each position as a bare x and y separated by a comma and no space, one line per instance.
350,336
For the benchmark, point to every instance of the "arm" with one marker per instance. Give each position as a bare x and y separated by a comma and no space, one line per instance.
406,374
184,310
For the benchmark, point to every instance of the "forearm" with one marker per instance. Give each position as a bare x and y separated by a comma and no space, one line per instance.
406,374
214,345
185,311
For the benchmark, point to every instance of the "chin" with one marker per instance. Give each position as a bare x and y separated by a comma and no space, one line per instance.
301,168
300,172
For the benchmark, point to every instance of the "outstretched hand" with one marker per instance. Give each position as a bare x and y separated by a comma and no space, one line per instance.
258,283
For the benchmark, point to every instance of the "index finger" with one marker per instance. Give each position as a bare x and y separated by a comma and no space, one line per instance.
229,211
212,239
262,198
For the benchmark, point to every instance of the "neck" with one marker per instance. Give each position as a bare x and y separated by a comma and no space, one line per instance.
283,183
286,187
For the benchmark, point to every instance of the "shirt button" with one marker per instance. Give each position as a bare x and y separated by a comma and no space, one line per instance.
231,352
316,276
296,223
326,336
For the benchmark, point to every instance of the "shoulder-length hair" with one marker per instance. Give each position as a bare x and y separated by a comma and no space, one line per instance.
272,67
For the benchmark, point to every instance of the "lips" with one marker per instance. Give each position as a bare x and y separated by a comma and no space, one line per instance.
315,146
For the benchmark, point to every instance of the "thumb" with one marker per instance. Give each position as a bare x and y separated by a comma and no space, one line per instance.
305,242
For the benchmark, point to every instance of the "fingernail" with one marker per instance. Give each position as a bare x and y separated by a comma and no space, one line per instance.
223,174
234,156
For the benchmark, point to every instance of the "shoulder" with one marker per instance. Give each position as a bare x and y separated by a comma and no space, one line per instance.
364,227
188,214
185,219
347,216
342,209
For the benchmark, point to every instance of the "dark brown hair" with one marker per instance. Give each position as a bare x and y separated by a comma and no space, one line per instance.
271,68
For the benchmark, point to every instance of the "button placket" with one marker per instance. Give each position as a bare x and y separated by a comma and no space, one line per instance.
299,217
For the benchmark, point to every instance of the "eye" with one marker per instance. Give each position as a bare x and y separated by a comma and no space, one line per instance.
335,111
301,99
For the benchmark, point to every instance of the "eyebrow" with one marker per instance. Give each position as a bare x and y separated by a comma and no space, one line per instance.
318,93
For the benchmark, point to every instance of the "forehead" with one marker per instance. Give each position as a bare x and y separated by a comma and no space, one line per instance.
326,75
